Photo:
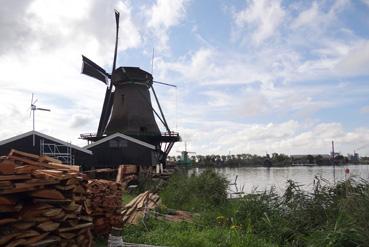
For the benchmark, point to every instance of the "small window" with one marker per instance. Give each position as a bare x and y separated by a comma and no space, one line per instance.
123,143
113,144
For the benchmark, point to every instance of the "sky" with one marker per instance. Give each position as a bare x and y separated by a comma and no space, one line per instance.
252,76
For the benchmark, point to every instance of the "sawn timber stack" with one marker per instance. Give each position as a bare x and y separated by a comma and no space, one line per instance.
104,204
134,211
41,202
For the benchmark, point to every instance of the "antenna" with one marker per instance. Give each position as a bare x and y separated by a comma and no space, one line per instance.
152,61
34,108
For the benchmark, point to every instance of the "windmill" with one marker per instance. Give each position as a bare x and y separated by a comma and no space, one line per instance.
127,107
185,160
34,108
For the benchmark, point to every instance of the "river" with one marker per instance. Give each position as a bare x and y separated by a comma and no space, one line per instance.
262,178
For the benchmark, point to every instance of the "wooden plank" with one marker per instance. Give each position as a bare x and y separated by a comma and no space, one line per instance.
28,161
6,238
48,226
14,152
67,235
35,239
23,225
26,169
7,221
47,242
63,166
48,159
14,177
28,234
7,200
52,201
52,212
48,194
65,187
80,226
7,167
16,242
16,190
10,208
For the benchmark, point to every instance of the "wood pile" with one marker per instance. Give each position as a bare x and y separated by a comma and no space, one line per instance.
104,204
134,211
41,202
127,174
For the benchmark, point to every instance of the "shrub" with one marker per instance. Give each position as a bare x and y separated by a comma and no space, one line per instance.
195,192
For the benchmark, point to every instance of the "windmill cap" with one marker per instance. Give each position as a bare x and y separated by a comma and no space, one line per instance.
131,74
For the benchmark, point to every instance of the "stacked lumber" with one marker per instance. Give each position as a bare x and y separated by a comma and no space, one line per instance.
41,202
126,174
104,204
134,211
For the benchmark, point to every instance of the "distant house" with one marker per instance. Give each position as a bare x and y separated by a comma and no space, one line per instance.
41,144
118,149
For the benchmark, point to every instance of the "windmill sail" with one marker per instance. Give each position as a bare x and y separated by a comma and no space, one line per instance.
92,69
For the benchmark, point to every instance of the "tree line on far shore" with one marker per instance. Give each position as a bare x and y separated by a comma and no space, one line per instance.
275,159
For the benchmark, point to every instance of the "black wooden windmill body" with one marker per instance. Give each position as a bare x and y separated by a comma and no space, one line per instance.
127,107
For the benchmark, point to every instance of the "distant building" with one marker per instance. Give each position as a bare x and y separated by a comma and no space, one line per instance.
41,144
122,149
118,149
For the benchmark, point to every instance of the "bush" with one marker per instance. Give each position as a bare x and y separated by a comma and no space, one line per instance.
195,192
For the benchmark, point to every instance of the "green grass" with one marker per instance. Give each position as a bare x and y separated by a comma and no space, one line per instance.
127,198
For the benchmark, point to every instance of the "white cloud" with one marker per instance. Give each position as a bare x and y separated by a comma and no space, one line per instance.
290,137
48,62
264,16
162,16
307,17
366,2
356,61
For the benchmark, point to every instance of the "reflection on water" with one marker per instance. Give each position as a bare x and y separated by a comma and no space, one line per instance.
261,178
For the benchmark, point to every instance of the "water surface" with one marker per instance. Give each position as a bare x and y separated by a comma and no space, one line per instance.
261,178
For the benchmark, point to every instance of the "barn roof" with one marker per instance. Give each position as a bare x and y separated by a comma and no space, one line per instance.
128,138
14,138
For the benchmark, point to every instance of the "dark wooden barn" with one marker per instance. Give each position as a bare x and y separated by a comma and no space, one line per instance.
38,143
118,149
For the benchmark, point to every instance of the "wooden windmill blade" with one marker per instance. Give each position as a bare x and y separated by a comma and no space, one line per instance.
109,95
92,69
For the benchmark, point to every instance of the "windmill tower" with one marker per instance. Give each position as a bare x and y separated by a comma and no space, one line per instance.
185,160
127,107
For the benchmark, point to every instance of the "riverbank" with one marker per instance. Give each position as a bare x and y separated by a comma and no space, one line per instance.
327,216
